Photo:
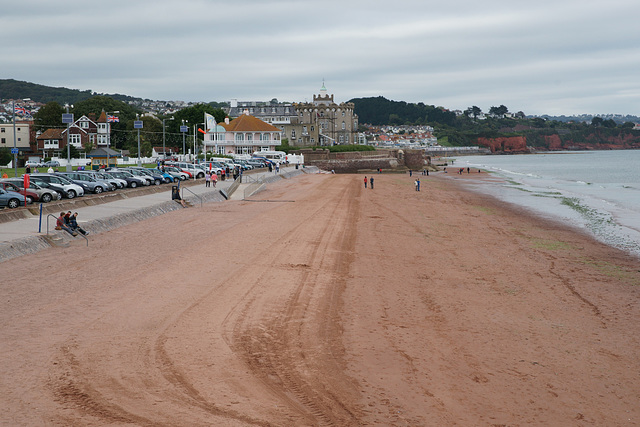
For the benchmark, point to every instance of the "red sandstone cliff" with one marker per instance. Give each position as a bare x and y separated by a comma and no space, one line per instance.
511,144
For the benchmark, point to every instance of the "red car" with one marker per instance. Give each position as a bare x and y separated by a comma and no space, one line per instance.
31,196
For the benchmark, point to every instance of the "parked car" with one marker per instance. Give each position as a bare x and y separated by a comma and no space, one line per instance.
157,177
52,163
88,183
33,164
187,173
132,181
166,175
140,174
44,194
120,183
196,172
30,195
70,190
110,185
10,199
176,173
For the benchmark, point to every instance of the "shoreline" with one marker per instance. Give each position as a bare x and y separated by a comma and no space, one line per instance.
339,305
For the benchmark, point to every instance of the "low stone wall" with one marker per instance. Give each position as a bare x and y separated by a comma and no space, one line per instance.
354,161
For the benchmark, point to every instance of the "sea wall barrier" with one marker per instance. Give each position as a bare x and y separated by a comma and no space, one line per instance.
32,244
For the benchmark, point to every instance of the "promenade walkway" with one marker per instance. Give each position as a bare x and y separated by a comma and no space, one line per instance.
29,235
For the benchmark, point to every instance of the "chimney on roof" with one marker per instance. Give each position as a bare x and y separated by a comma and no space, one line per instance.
226,120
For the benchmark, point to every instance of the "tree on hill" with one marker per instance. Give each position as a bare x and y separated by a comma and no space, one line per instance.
49,116
15,89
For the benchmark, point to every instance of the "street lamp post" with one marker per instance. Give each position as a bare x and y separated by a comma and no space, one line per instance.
66,106
164,149
109,132
184,129
138,125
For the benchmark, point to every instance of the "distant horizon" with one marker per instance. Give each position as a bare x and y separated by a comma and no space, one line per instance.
95,93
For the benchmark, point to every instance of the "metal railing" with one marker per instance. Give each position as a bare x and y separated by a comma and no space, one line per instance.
199,198
55,219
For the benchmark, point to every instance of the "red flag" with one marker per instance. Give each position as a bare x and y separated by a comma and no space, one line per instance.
200,130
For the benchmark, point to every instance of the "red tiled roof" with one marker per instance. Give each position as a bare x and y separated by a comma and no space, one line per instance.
51,134
246,123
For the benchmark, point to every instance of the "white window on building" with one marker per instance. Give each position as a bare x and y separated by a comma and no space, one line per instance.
341,139
313,140
249,137
220,150
239,137
343,113
264,137
84,124
74,139
344,125
346,138
1,130
304,130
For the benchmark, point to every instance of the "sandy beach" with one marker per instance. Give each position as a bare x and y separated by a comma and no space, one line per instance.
322,303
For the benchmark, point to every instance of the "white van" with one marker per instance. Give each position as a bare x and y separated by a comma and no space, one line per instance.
274,156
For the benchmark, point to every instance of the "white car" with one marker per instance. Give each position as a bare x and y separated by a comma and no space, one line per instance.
71,190
33,164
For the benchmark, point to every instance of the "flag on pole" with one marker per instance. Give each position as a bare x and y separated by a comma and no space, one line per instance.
20,110
210,121
113,119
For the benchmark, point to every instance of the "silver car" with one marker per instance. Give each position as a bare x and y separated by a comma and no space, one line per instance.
44,194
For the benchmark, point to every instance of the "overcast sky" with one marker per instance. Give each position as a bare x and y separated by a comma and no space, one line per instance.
539,57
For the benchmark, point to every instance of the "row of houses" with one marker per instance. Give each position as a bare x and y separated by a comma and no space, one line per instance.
249,128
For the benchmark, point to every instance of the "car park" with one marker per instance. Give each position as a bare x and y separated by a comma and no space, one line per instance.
51,164
70,190
30,195
10,199
132,181
88,183
44,194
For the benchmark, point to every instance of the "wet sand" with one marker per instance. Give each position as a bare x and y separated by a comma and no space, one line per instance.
320,302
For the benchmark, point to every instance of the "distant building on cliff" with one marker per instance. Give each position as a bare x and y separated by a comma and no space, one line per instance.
321,122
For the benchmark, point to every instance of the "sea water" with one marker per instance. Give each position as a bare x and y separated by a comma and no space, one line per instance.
598,191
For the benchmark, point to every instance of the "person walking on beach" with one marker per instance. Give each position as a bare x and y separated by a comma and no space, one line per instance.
371,182
417,183
365,182
410,173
